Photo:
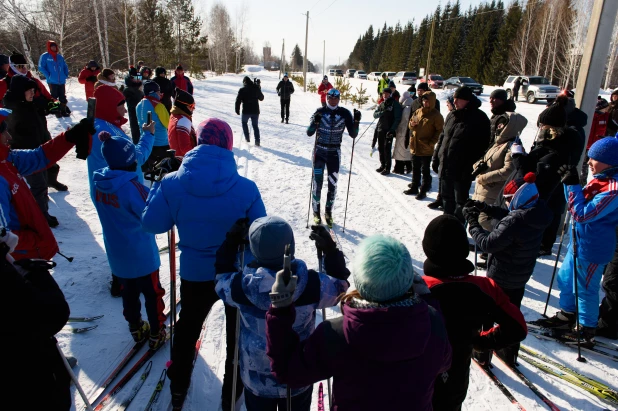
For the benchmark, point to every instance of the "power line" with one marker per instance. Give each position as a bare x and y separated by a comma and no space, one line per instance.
334,1
316,3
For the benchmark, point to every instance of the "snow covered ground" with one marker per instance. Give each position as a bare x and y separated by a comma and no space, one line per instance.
281,167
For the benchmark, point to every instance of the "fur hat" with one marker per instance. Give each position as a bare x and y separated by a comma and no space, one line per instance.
555,115
523,191
105,73
268,237
445,244
118,152
499,94
605,150
463,93
382,269
150,87
215,132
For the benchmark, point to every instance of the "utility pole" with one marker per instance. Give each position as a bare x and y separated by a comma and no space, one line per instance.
324,58
305,60
282,64
594,58
433,23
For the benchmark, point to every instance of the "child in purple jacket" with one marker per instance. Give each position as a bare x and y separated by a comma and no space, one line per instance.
388,342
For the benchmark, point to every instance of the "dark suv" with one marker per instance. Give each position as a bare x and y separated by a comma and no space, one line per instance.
456,82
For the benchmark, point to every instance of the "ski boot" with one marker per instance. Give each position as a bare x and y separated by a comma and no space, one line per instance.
561,321
585,335
328,216
317,220
158,339
139,331
483,357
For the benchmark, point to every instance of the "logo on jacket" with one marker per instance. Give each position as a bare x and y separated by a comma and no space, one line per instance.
15,188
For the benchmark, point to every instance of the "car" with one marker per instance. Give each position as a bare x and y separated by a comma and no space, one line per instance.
331,72
374,76
338,73
404,77
350,73
360,74
435,80
390,74
533,88
456,82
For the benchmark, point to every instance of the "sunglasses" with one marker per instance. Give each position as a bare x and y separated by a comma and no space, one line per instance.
189,106
333,94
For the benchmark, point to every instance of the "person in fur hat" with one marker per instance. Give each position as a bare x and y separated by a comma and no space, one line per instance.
107,77
88,77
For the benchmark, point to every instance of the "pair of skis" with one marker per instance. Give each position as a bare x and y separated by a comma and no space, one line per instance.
77,330
547,334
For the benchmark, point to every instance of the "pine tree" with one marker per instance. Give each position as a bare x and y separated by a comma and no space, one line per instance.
296,58
497,69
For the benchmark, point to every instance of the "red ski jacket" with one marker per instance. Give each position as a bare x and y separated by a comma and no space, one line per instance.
88,85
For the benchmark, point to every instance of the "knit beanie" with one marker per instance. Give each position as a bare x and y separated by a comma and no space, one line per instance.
92,64
19,85
150,87
325,78
445,244
132,71
523,191
215,132
423,86
499,94
160,70
605,150
463,93
184,101
4,59
268,237
118,152
382,269
4,113
17,58
555,115
601,104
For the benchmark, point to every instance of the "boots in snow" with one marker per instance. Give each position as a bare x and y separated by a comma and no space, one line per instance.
158,339
561,321
328,216
413,190
317,220
140,331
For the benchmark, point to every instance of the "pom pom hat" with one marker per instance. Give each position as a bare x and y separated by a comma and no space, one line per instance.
215,132
268,237
118,152
605,150
522,192
382,269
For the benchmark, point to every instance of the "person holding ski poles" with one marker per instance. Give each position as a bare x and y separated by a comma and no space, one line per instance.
329,122
388,342
248,288
202,198
594,214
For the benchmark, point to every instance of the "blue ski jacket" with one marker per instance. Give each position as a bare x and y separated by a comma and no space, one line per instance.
204,198
120,200
55,70
159,115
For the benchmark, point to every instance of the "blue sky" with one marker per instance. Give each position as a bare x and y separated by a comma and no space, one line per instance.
339,22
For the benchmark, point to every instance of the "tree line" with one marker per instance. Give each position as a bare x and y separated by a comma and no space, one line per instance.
488,42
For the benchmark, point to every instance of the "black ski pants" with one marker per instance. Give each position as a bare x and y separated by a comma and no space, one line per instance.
38,188
228,377
608,312
454,195
254,123
58,91
516,295
450,388
385,146
329,159
150,286
285,109
421,165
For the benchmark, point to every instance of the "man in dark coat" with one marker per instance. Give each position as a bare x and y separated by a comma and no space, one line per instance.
500,104
514,243
516,86
165,87
133,94
466,138
249,95
389,115
285,89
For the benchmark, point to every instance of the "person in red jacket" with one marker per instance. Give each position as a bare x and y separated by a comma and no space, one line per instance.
598,130
19,211
180,81
180,132
323,89
88,76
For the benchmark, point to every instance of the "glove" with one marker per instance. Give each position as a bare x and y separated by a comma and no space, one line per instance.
357,115
435,166
323,240
281,295
53,107
471,214
568,175
279,93
92,79
373,150
317,118
167,165
239,231
517,149
8,239
479,205
81,135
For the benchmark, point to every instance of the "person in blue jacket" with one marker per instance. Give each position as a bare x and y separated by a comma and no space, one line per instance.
248,288
161,117
56,71
132,253
203,199
594,213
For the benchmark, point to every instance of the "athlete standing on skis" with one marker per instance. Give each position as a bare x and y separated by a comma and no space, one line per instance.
329,122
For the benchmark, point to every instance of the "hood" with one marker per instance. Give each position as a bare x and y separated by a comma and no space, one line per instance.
513,128
49,50
507,106
399,331
431,96
110,181
577,118
537,217
108,99
258,281
208,171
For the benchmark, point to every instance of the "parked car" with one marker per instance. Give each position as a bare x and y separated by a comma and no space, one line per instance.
456,82
374,75
405,77
338,73
390,74
360,74
435,81
533,88
350,73
331,72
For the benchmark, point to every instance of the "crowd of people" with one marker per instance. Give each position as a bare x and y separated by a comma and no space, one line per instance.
409,329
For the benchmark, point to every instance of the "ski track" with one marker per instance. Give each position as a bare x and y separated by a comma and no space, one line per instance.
281,168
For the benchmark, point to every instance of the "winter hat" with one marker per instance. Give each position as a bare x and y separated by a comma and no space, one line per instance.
108,99
179,68
160,70
325,78
246,80
499,94
387,90
17,58
118,152
463,93
523,191
554,115
423,86
4,59
601,104
145,71
268,237
391,84
382,269
184,101
570,94
132,71
605,150
19,85
104,75
451,100
285,74
150,87
445,244
4,113
92,63
215,132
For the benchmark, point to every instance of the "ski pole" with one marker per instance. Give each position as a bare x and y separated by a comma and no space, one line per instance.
171,241
345,215
574,240
324,319
237,336
74,379
312,177
475,256
374,120
553,275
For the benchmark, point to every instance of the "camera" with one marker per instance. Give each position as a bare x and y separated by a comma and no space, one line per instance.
257,82
481,167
